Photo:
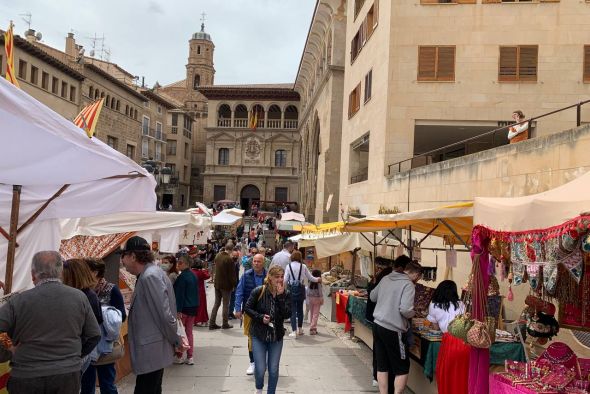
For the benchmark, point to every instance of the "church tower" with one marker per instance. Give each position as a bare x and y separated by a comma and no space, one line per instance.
199,69
199,72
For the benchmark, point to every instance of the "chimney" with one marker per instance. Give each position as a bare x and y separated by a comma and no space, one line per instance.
30,35
71,46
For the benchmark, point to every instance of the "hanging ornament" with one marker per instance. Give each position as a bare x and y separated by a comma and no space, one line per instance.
510,296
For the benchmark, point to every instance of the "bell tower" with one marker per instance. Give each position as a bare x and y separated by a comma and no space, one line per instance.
199,69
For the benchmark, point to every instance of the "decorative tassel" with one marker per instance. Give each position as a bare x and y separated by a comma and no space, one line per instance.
510,296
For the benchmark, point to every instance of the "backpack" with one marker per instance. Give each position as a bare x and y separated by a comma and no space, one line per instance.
295,286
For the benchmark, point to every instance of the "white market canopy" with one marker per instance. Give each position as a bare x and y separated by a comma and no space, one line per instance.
54,161
168,227
225,218
334,244
292,216
537,211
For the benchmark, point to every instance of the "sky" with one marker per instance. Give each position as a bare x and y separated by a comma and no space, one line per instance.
256,41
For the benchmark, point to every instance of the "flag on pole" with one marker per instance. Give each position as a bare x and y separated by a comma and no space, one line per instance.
88,117
253,119
9,48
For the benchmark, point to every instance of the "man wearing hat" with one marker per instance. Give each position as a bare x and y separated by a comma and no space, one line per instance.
152,317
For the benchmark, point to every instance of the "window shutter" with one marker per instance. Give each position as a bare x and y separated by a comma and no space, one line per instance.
426,63
445,70
491,1
466,1
550,1
429,1
357,98
586,63
508,64
527,63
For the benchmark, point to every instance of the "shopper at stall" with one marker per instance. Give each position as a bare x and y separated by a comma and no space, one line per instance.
109,295
152,318
248,282
394,298
283,258
202,274
315,299
383,267
170,265
225,282
268,306
295,275
49,313
452,365
186,292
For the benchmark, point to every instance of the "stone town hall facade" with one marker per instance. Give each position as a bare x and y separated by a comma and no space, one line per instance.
230,159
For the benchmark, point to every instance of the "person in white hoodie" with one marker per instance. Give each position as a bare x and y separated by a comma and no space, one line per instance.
394,298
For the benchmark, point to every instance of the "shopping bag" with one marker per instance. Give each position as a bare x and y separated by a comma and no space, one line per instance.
183,339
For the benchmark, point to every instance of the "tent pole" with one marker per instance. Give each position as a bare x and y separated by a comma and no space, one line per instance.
410,244
16,190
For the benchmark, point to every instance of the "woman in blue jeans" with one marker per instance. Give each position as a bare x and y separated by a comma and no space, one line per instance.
295,274
268,306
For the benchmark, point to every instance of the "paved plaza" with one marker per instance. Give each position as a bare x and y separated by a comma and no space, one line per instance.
327,363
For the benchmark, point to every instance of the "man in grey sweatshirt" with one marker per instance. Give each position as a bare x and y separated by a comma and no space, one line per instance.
52,327
394,298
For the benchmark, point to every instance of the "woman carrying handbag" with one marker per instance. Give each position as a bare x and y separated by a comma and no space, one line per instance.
268,306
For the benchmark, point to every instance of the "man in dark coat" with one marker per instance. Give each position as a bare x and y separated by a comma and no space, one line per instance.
225,282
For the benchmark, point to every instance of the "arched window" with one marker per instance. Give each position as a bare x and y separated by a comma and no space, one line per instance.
223,158
127,110
135,114
291,117
258,113
90,91
224,116
274,117
197,82
198,50
281,158
96,94
113,102
241,116
118,105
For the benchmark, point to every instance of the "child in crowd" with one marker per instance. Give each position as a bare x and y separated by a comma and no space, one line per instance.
315,299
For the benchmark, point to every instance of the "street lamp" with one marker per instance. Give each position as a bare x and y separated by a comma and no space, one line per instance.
160,174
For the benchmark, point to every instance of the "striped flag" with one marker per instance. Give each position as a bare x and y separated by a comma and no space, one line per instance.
88,117
253,119
9,48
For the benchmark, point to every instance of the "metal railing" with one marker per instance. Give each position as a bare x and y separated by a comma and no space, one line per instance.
174,130
149,132
462,148
363,175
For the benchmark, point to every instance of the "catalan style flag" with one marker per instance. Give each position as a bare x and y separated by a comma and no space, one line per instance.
9,48
88,117
253,120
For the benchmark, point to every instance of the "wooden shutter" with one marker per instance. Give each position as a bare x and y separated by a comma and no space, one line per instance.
445,64
491,1
375,14
586,63
357,97
527,63
426,63
429,1
508,64
466,1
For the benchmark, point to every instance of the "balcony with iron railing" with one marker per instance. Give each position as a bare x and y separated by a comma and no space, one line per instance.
361,176
479,143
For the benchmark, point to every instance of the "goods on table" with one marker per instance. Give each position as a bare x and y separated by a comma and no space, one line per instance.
339,277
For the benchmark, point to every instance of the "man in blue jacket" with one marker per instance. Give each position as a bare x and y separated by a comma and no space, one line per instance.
251,279
186,290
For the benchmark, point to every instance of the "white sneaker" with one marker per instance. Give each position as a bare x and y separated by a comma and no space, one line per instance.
375,383
178,360
190,361
250,370
293,334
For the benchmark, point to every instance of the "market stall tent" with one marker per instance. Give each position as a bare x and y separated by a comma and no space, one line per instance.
225,218
292,216
167,226
49,170
537,211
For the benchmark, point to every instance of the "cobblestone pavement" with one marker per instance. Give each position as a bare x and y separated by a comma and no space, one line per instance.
329,362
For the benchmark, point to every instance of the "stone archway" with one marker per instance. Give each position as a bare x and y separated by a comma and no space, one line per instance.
248,195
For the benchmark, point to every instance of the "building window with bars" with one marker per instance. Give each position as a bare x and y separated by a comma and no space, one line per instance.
223,158
518,63
586,72
436,63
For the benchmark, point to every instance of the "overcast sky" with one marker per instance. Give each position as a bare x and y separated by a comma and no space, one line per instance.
256,41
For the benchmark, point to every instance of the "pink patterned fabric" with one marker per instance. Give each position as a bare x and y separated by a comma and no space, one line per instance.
95,247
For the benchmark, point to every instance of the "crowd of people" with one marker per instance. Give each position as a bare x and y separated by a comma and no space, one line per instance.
73,305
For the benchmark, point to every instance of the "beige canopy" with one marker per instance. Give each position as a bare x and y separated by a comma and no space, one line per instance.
537,211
